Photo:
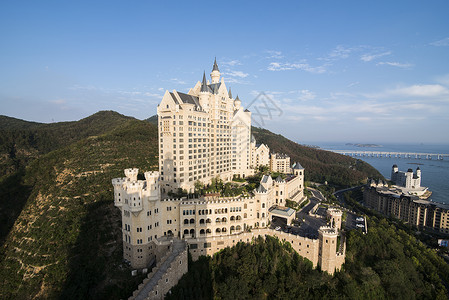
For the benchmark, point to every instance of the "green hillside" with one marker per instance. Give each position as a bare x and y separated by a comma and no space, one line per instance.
320,165
67,238
21,141
60,233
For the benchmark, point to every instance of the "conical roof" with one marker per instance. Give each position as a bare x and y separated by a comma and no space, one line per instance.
204,87
230,94
215,67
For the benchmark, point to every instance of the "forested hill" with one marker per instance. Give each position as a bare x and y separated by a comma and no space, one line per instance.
21,141
60,235
320,165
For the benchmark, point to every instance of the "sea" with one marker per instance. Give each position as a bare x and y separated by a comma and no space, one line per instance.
434,172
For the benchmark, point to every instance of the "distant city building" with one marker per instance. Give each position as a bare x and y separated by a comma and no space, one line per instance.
408,204
407,179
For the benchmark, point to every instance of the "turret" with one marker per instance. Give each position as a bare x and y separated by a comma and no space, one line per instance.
204,94
328,249
132,174
237,103
215,74
418,172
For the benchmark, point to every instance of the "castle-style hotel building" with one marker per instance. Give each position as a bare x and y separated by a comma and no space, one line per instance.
206,134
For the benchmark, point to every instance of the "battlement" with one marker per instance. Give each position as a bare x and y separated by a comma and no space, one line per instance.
328,231
132,173
152,176
334,212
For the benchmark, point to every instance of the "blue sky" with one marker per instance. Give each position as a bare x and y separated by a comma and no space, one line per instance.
350,71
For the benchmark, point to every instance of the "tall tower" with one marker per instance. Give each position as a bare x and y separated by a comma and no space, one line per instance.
327,249
215,74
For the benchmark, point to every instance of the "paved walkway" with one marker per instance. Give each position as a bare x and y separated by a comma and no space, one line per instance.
178,247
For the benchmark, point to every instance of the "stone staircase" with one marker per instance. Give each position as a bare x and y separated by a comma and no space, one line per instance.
154,287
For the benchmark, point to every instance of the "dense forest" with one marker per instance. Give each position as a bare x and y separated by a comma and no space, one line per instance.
386,263
60,233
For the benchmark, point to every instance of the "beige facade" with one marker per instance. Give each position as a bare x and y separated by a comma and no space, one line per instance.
391,201
209,224
241,141
260,154
202,134
280,163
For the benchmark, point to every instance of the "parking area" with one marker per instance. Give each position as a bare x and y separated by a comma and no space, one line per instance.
353,221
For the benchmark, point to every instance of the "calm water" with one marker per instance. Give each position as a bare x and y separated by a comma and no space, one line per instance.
435,173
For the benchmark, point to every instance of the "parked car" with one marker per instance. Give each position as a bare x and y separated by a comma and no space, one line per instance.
360,219
278,228
360,226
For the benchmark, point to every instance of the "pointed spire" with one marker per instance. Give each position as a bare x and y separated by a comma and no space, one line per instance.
215,68
237,98
230,94
204,87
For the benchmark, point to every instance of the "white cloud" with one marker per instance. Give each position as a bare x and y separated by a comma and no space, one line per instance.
178,81
441,43
395,64
274,54
341,52
276,66
239,74
306,95
231,63
370,57
58,101
421,90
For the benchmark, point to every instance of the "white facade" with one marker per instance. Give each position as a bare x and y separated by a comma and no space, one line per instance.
408,180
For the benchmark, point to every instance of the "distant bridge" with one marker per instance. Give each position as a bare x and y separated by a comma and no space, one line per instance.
388,154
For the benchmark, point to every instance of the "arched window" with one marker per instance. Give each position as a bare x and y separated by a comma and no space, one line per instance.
186,221
217,220
232,218
223,229
186,231
208,230
208,220
238,228
201,221
224,219
192,221
244,215
238,218
218,230
263,205
192,231
202,231
232,228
